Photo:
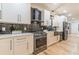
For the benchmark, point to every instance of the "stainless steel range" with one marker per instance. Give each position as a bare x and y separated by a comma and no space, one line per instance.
40,42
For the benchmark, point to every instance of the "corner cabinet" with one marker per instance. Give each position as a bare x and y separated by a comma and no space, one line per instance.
16,13
6,46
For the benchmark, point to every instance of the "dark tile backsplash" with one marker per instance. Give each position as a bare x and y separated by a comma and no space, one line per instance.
8,27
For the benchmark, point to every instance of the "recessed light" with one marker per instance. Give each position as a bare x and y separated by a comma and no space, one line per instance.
69,14
56,4
65,11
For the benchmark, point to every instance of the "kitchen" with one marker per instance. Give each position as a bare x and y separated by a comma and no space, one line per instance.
31,28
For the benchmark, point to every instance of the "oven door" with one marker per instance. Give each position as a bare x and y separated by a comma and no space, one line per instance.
40,44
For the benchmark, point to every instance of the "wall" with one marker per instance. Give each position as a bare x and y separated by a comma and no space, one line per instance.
74,27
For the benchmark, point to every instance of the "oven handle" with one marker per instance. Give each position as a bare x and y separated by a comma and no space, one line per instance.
40,37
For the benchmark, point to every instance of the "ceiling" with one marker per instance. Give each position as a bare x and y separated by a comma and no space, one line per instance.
72,8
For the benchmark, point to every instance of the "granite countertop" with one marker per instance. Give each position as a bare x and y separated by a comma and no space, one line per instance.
12,35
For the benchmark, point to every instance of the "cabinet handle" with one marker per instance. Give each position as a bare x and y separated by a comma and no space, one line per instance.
10,44
27,44
1,6
18,17
21,39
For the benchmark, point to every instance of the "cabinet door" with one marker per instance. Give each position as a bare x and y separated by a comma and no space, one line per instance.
46,15
9,13
51,39
0,6
30,44
24,11
6,46
20,45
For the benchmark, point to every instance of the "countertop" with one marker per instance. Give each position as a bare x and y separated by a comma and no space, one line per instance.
12,35
48,31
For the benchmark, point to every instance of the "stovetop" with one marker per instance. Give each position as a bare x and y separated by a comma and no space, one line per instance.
40,33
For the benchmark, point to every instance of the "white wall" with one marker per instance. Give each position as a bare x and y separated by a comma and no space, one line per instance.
74,27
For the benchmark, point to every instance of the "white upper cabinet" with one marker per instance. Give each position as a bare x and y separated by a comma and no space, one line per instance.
24,13
9,13
0,6
16,13
46,17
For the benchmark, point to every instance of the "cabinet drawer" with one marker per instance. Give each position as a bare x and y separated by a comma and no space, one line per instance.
20,41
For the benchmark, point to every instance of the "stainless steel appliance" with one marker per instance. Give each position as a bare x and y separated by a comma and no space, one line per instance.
65,31
40,42
35,14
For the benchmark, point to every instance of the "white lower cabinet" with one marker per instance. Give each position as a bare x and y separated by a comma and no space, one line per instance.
51,39
6,46
18,45
23,45
30,44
